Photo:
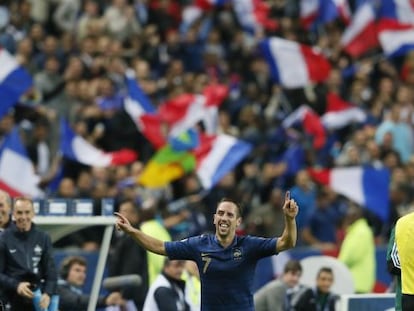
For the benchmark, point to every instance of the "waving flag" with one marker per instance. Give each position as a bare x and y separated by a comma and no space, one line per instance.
361,35
294,65
194,11
218,155
310,122
142,112
185,111
166,166
367,186
14,81
398,10
315,12
17,175
396,39
171,161
209,4
340,113
212,158
309,10
253,15
343,10
78,149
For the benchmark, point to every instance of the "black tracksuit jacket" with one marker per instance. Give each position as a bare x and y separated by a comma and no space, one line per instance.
26,256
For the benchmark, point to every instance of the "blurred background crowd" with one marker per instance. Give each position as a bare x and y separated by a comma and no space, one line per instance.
78,51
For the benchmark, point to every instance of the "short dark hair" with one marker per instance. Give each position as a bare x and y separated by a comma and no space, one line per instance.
67,264
292,266
132,202
238,205
324,269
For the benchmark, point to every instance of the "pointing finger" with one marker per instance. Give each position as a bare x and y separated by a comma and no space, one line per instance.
287,196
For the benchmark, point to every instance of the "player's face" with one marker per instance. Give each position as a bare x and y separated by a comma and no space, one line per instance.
324,282
226,219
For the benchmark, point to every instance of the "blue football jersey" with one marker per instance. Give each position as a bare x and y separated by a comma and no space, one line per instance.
226,274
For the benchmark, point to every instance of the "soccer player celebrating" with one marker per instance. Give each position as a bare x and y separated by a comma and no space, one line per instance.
226,262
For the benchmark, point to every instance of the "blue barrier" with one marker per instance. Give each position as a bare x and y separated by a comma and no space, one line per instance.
367,302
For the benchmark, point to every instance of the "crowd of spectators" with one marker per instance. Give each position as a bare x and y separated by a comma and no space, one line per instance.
78,51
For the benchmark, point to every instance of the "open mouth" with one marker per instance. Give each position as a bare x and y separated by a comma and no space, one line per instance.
224,226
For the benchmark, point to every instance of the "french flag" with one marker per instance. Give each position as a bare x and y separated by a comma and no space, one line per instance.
366,186
185,111
195,10
309,10
142,112
217,155
323,11
17,175
76,148
396,39
253,15
361,35
343,9
14,81
310,122
206,5
340,113
398,10
294,65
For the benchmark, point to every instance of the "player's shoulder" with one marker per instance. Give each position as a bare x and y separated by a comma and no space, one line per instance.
246,239
198,239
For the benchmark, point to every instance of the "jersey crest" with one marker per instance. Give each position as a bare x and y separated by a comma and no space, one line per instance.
237,253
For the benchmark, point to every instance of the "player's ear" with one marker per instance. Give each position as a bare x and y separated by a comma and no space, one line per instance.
239,221
214,219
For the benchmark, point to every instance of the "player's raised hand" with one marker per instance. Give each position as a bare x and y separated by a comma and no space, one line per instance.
290,207
122,223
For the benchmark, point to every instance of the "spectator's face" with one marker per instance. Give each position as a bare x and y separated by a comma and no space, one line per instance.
52,66
50,45
25,47
291,278
67,188
6,124
77,274
4,210
23,214
106,88
174,269
128,210
324,282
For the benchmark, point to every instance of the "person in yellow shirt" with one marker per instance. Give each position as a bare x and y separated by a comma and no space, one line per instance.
191,277
153,225
404,235
357,251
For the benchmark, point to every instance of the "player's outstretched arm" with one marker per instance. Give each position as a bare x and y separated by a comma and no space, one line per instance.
289,235
148,242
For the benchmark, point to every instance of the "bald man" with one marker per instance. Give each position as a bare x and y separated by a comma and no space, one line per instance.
5,208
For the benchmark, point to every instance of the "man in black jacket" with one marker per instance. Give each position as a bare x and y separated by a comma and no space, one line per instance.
26,260
319,298
71,297
128,257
